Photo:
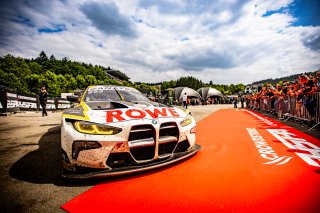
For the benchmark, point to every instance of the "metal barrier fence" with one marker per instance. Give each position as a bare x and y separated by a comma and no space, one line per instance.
10,101
305,108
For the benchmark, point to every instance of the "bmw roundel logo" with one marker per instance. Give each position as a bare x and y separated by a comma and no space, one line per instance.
154,121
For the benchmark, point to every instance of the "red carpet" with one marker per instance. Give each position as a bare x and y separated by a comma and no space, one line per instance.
247,163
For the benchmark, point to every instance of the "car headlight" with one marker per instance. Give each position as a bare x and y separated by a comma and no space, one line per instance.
95,129
186,121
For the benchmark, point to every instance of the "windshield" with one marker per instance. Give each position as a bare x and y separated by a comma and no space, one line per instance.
110,93
133,95
101,94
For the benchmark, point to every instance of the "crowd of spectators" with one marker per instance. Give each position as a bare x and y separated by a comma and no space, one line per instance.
280,96
299,98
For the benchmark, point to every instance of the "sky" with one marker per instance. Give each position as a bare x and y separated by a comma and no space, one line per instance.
223,41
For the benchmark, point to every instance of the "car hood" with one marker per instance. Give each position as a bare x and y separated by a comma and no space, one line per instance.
111,112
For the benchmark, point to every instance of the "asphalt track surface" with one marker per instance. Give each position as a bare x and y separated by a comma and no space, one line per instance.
30,162
248,163
31,173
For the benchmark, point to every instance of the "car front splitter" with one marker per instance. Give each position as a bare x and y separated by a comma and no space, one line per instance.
134,169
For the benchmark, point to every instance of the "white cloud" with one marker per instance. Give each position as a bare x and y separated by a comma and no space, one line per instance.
223,41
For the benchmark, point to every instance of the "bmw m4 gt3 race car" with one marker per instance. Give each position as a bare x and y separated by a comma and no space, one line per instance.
116,130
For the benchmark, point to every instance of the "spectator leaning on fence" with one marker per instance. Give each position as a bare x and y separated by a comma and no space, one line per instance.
280,100
310,103
317,81
300,92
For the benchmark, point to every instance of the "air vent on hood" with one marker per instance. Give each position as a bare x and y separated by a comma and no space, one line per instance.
105,105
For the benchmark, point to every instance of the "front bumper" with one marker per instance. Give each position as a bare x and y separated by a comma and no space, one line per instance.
133,169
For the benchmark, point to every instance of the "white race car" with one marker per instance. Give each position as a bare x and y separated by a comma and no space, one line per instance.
116,130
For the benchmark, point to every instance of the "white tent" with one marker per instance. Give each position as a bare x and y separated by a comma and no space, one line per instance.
207,92
180,91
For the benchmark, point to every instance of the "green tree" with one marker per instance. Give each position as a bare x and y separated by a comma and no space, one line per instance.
189,81
14,82
62,84
90,80
35,67
33,82
42,57
81,82
49,79
71,83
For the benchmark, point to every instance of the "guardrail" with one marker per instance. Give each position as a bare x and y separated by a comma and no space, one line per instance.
15,102
305,108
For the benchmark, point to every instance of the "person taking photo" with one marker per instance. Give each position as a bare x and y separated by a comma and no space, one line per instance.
43,97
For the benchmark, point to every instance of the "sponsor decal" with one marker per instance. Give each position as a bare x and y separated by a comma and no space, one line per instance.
141,142
307,151
261,118
11,95
64,106
265,150
128,114
26,98
12,103
102,88
28,105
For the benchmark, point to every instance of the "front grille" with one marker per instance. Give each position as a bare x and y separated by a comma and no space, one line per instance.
168,138
169,129
145,151
166,148
141,132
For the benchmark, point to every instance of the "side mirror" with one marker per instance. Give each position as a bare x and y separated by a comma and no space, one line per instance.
73,98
